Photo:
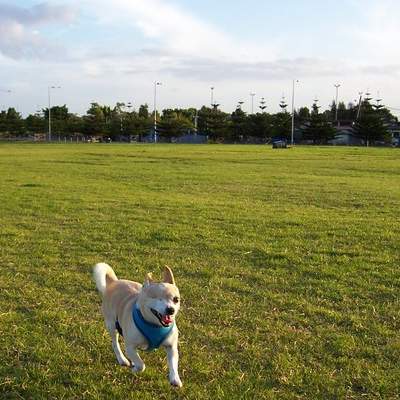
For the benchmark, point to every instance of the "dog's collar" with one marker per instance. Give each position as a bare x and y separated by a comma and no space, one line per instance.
154,334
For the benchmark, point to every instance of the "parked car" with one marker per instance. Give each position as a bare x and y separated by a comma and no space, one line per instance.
279,143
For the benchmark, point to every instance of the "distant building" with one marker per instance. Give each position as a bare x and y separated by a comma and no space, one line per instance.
394,130
345,137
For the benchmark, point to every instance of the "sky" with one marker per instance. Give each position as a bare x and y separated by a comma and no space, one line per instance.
113,51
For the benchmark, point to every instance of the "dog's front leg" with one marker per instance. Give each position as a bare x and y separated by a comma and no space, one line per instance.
117,350
137,362
173,359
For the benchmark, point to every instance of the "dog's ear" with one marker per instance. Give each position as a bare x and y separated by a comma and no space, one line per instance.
148,280
168,275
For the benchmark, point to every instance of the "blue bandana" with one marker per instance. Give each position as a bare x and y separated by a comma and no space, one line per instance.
154,334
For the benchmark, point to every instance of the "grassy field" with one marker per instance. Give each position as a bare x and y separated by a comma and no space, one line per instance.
287,261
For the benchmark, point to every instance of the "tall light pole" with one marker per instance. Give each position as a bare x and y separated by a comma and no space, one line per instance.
121,110
359,104
212,96
155,109
48,93
292,141
337,86
252,102
196,119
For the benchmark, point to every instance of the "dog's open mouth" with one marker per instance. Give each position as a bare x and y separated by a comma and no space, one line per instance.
165,320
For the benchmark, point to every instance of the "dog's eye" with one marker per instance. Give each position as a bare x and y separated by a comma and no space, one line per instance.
175,299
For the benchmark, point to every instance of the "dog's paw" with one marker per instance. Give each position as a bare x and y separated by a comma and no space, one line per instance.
138,368
176,382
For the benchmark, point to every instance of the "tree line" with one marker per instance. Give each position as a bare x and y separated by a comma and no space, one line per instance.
370,122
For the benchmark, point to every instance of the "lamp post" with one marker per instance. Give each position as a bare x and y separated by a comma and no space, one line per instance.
252,102
196,120
359,104
337,86
155,109
121,128
49,97
292,138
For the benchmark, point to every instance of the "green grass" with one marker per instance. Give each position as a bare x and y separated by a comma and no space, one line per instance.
287,262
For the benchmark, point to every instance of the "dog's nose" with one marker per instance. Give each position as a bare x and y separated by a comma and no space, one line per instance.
170,310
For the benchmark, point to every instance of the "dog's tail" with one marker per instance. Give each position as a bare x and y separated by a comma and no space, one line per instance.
103,275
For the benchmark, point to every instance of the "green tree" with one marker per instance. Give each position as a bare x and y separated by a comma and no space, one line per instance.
371,126
302,116
281,125
75,125
318,128
174,123
239,126
57,113
12,123
141,124
95,122
259,125
144,111
59,117
213,122
35,123
343,113
331,113
3,123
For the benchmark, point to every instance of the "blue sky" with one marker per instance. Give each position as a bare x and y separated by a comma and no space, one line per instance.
109,51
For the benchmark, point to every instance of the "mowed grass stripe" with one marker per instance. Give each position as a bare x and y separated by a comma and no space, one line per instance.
287,262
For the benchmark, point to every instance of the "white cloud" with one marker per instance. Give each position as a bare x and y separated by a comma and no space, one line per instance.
178,32
142,40
19,37
181,45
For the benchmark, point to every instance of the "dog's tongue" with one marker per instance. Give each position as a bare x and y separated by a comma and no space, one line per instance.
166,319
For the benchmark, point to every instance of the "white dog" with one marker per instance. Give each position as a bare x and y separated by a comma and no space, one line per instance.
144,315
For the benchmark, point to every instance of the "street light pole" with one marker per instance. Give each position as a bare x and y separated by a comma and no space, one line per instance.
337,86
155,110
48,93
292,138
120,117
359,104
212,96
252,102
196,118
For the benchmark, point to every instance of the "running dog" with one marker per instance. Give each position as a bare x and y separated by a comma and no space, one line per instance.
143,314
